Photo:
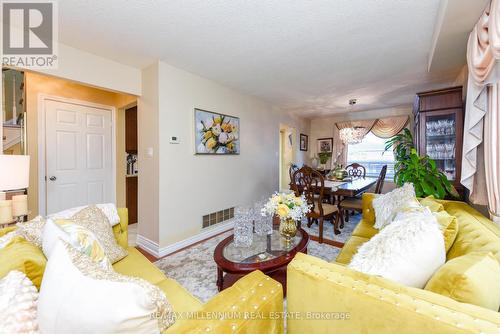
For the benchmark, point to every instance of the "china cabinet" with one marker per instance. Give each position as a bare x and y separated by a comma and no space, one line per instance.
438,130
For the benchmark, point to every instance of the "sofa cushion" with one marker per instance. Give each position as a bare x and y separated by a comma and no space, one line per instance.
25,257
449,227
364,229
431,203
180,299
388,205
350,248
475,231
137,265
472,278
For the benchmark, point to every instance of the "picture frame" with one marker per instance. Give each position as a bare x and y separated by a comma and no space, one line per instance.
303,142
216,133
325,145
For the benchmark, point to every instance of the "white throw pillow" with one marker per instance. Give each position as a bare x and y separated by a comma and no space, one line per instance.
7,238
82,239
388,205
109,210
408,251
78,297
18,303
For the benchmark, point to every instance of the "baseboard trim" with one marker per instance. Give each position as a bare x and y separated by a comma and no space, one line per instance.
148,245
154,249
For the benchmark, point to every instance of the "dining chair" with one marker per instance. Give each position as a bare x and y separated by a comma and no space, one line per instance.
355,203
356,170
311,184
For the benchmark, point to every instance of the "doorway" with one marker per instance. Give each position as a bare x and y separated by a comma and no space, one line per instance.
286,155
77,146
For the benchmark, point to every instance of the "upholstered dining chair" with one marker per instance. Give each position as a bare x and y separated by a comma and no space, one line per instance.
311,184
356,170
354,203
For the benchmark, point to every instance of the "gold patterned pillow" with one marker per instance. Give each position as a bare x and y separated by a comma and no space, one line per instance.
32,230
96,221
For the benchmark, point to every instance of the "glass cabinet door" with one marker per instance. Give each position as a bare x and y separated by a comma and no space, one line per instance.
440,141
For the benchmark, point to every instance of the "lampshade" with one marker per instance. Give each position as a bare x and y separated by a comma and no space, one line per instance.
14,172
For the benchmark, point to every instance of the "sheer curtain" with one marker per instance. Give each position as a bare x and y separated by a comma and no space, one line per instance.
483,55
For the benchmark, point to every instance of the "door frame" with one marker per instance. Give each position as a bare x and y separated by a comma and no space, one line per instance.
42,181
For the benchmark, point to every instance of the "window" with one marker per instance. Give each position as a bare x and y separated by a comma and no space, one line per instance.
370,154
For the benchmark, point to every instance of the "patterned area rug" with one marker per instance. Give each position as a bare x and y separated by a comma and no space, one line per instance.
195,269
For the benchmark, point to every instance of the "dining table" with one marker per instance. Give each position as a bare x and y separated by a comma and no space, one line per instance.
335,189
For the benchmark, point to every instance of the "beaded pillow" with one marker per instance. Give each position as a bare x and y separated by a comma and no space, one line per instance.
18,304
387,206
82,239
32,230
96,221
73,286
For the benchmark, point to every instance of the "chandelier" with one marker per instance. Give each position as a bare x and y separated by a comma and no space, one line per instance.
352,135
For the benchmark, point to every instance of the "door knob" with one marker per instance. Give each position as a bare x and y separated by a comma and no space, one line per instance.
52,178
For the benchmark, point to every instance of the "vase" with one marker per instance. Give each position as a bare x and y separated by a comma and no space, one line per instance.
288,229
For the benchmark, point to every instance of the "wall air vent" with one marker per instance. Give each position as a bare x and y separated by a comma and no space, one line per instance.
217,217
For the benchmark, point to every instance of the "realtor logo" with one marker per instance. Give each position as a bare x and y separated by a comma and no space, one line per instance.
29,37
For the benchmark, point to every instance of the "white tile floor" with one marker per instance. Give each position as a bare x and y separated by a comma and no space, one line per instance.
132,235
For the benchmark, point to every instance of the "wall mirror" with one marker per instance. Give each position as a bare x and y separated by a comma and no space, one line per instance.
13,112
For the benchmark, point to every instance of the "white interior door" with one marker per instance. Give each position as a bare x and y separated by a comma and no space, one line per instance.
79,155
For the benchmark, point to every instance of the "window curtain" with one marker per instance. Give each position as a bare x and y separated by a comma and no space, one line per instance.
382,127
389,127
482,108
339,148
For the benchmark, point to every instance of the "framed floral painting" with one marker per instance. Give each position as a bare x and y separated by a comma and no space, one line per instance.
216,133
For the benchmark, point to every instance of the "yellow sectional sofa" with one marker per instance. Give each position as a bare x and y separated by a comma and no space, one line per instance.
249,306
361,303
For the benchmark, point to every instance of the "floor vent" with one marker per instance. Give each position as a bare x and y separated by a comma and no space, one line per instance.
217,217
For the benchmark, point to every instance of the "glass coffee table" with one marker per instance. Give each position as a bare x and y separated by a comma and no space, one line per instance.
269,254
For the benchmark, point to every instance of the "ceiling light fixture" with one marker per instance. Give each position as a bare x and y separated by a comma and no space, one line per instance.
352,135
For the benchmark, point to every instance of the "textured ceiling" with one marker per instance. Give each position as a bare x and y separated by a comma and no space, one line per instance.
308,56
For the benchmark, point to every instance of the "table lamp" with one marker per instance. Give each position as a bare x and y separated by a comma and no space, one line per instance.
14,175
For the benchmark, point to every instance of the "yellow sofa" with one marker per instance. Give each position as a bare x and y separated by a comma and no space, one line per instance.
360,303
251,305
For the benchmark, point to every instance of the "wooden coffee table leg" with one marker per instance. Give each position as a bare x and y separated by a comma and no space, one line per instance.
220,278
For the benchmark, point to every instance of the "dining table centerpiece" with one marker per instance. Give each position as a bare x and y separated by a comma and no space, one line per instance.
290,209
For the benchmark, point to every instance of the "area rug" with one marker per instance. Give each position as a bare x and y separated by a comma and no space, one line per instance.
194,268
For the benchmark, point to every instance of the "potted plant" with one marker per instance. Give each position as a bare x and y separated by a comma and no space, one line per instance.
323,158
419,170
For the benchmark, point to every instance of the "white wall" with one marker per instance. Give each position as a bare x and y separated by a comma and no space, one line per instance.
194,185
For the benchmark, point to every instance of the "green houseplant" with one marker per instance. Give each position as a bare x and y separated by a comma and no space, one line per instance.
323,157
419,170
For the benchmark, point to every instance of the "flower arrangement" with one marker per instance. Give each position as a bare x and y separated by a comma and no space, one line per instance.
286,206
218,135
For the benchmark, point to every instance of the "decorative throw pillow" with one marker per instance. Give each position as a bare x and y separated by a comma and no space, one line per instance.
18,303
96,221
7,238
408,251
388,205
109,210
472,278
23,256
449,227
77,296
32,230
432,204
82,239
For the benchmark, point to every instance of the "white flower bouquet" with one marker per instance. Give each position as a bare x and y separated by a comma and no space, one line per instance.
287,206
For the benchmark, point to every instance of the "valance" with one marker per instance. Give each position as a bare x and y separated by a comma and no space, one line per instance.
382,127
